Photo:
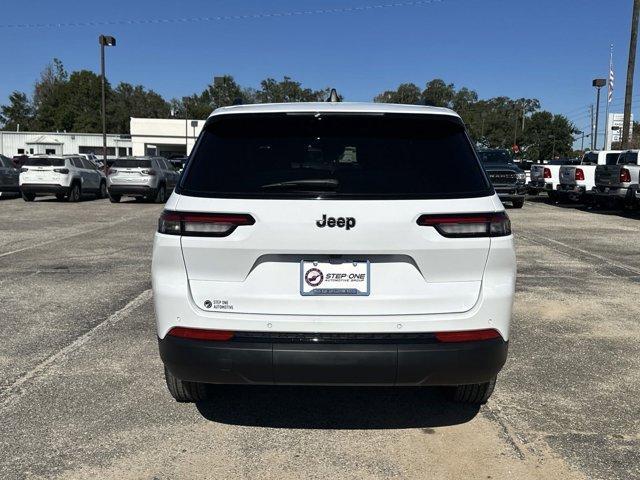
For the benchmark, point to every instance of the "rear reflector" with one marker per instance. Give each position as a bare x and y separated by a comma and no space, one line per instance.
201,334
579,174
468,224
468,336
202,224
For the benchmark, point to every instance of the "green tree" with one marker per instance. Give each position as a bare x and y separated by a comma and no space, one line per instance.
287,90
406,93
438,94
226,91
18,113
547,135
128,101
47,95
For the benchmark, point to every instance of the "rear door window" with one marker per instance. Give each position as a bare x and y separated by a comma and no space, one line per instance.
628,158
388,156
45,162
132,163
590,158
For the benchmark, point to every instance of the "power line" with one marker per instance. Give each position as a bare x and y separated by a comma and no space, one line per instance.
221,18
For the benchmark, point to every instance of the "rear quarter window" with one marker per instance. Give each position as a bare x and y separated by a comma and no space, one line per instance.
334,156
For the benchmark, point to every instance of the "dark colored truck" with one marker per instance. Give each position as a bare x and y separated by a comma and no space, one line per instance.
509,180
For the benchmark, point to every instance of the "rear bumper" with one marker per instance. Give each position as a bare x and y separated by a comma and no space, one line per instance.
333,364
539,186
566,189
621,193
130,189
44,188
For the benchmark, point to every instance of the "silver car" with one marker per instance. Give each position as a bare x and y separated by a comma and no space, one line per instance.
145,178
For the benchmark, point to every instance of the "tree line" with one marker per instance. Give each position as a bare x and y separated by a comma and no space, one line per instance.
63,101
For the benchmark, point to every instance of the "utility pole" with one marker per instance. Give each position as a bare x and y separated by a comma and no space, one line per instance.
607,129
591,113
104,41
633,42
598,83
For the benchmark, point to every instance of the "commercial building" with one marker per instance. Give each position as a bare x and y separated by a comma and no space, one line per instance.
613,129
61,143
149,136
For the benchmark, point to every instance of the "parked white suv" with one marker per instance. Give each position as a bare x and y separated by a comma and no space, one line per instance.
333,244
68,177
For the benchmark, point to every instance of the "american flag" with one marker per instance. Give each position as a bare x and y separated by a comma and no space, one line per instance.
611,78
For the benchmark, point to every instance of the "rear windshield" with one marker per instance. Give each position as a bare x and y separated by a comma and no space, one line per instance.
132,163
590,158
628,158
45,162
612,158
334,156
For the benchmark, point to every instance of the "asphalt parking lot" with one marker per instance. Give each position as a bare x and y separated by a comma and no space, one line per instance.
82,392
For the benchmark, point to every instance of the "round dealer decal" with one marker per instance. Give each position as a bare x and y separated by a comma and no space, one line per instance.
313,277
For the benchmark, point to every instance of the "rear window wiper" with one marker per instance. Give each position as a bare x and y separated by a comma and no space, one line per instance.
323,183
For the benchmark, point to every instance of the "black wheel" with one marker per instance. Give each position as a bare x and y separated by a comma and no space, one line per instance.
114,198
28,197
161,194
476,394
60,196
185,391
553,196
74,193
102,193
533,192
518,203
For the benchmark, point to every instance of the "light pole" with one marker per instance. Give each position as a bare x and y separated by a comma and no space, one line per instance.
105,41
598,83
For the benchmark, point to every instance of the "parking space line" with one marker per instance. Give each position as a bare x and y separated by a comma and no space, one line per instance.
64,237
529,235
15,390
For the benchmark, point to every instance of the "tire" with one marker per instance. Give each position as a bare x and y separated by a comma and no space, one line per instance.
476,394
74,193
519,203
60,196
553,196
102,193
161,195
186,392
28,197
114,198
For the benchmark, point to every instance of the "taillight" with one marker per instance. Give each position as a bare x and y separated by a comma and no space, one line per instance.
579,174
202,224
201,334
625,176
468,224
148,172
468,336
546,173
63,171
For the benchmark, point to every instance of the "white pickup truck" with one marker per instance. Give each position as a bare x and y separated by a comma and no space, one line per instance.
577,181
545,177
619,183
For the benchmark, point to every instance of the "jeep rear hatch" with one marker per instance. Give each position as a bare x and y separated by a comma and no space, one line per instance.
302,180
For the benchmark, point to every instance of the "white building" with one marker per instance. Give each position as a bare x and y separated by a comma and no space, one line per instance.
613,129
165,137
56,143
149,136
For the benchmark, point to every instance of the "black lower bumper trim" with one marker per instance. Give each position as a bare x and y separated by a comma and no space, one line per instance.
9,189
44,188
429,363
130,190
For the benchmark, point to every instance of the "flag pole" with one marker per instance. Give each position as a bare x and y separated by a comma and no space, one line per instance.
607,129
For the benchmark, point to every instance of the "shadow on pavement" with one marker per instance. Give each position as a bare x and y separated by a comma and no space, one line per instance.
621,211
334,407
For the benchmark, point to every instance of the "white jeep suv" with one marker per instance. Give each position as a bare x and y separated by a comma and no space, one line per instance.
333,244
